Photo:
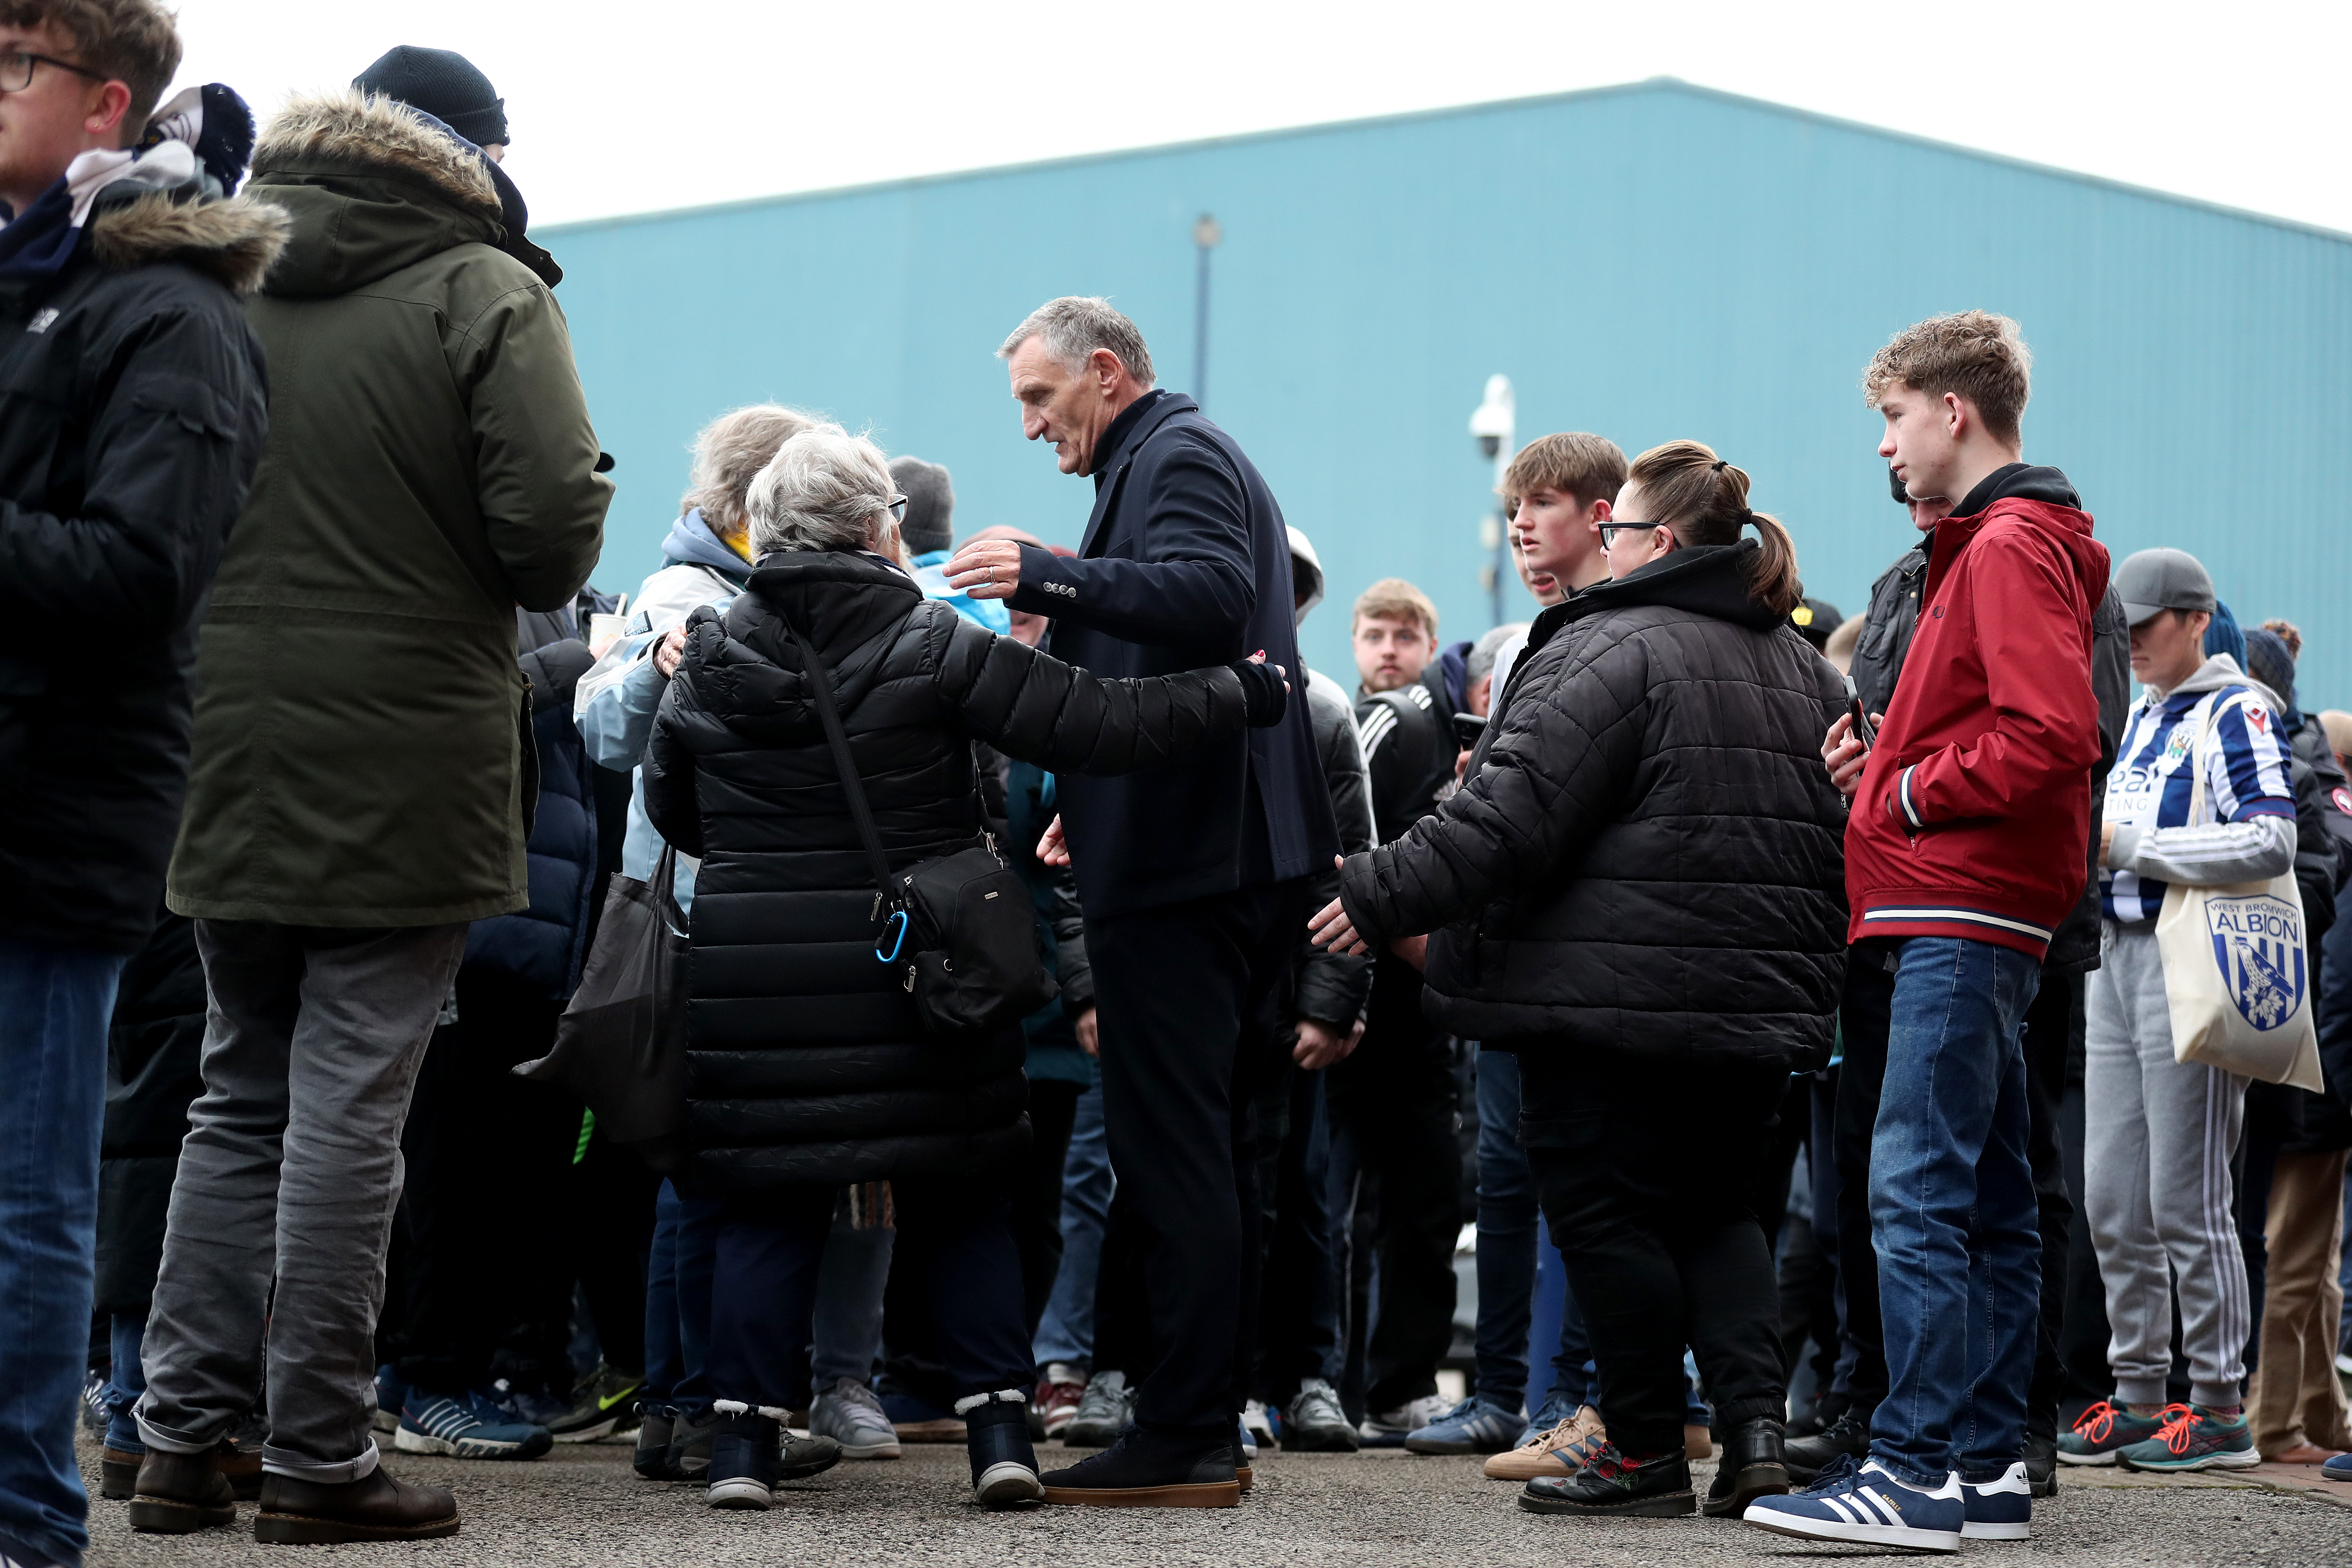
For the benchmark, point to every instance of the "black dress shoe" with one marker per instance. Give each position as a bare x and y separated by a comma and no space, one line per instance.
1609,1483
1807,1457
177,1493
1752,1467
1146,1470
377,1507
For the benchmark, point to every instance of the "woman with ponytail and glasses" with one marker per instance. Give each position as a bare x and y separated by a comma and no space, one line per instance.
1639,890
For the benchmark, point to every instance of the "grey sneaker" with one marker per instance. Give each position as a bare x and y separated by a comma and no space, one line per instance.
1315,1424
1388,1428
850,1414
1105,1410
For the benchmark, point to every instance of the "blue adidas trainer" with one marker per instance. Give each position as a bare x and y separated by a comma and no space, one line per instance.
1866,1506
1998,1510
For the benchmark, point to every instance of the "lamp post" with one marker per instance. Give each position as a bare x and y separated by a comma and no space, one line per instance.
1494,424
1206,237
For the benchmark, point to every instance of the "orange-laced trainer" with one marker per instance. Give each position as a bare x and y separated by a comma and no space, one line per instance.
2193,1437
2102,1431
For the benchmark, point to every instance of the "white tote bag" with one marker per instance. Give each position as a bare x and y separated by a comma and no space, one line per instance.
2237,970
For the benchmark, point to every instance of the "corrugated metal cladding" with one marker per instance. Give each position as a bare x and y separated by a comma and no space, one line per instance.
1649,262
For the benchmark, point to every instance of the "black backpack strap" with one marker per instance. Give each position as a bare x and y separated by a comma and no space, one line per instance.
851,785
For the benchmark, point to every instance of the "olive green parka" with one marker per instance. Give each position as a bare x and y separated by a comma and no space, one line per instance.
362,752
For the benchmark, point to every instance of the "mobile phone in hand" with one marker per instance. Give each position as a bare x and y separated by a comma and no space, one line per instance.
1864,731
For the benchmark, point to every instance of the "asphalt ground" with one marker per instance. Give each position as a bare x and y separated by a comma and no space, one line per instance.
581,1506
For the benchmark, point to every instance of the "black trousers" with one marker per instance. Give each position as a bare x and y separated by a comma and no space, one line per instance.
1392,1112
955,1236
1646,1173
1187,997
1037,1196
2053,1025
1299,1313
483,1244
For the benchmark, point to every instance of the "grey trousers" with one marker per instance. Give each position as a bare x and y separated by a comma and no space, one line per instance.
287,1179
2156,1140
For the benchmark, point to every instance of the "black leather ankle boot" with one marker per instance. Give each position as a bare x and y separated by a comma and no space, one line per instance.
1753,1466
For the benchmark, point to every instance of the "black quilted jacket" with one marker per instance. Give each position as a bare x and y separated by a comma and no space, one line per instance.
1646,857
805,1061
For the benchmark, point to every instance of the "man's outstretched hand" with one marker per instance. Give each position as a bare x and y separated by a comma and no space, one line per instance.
986,569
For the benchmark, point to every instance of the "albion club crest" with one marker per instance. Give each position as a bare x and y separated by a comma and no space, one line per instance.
2258,945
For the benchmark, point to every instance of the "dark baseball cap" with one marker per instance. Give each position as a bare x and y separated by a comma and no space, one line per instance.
2166,579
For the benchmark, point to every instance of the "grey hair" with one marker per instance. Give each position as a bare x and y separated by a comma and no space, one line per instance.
1075,326
824,490
729,452
1489,648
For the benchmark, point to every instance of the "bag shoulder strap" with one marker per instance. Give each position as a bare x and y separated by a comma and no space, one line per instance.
851,784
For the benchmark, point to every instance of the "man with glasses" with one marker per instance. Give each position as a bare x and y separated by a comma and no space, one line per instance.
136,415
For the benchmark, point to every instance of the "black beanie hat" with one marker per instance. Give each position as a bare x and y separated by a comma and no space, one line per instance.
930,504
445,85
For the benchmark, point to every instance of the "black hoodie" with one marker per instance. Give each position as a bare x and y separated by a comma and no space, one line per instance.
1645,858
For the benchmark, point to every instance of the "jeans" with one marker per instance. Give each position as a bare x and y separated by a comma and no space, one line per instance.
1647,1172
126,1380
282,1210
955,1237
1066,1332
846,1325
1954,1212
677,1303
55,1002
1506,1239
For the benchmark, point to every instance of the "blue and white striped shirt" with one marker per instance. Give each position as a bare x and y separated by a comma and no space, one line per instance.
2246,762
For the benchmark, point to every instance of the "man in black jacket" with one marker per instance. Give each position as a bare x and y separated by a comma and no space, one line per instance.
1194,873
135,409
2053,1027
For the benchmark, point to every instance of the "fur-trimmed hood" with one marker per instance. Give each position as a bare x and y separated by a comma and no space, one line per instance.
346,132
235,241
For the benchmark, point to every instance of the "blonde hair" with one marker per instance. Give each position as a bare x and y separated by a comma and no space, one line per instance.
1396,599
1839,650
1974,353
1704,499
824,490
729,452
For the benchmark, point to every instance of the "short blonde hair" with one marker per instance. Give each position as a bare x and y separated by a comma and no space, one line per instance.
1393,598
824,490
1975,353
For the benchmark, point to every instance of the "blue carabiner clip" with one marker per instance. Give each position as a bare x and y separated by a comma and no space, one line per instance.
899,919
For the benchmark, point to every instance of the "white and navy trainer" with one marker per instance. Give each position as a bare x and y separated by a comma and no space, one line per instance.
2000,1510
1868,1505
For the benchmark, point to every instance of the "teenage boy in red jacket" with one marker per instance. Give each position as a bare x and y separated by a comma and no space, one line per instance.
1968,842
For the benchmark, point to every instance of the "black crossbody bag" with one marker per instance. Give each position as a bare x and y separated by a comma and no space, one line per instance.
959,927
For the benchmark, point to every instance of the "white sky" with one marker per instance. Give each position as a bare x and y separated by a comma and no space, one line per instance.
626,109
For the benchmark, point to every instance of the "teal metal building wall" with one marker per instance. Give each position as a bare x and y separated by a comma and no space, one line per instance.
1649,262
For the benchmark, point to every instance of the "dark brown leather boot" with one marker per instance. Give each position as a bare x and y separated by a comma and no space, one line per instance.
243,1471
177,1493
376,1507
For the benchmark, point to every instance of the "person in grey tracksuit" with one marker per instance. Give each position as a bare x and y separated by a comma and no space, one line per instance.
2160,1134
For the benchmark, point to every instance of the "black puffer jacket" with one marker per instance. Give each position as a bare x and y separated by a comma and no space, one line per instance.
807,1062
1647,856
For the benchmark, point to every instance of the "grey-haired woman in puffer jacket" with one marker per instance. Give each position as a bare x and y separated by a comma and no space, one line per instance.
807,1066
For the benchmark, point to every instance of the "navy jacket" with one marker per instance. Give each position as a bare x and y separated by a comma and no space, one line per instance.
1185,564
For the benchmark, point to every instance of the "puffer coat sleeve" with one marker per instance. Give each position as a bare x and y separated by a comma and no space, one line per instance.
1030,705
1546,774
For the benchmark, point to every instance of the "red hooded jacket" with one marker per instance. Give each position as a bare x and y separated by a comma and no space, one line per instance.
1973,817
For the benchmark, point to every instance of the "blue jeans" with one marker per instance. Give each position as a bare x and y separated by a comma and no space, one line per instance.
1066,1331
846,1325
55,1002
1953,1213
677,1303
125,1382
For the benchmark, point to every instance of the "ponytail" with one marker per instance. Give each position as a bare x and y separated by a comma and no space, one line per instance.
1704,500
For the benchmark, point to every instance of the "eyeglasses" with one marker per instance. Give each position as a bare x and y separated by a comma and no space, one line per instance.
16,68
1610,530
899,510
